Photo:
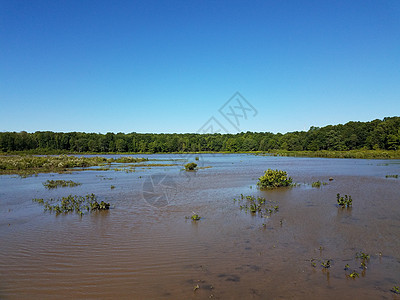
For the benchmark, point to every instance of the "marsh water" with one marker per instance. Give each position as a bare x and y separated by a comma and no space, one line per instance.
144,247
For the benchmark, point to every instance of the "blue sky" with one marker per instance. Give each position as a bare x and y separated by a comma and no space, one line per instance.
168,66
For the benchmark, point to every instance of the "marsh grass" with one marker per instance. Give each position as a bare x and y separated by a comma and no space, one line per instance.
27,164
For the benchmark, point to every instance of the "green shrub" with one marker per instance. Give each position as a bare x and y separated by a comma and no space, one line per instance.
274,179
190,166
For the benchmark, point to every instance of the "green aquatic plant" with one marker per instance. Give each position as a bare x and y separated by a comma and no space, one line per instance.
112,187
395,289
274,179
354,274
318,184
73,203
195,217
345,201
196,158
392,176
257,205
347,267
362,255
326,264
190,166
53,184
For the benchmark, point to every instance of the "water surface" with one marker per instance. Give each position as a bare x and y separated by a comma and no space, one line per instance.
144,247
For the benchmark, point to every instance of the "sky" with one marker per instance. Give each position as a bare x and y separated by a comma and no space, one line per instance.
197,66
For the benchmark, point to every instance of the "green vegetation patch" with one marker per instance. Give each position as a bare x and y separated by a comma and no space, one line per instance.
257,205
318,184
190,166
273,179
53,184
392,176
28,164
345,201
70,204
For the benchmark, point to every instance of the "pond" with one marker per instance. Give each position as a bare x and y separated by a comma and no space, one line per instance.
145,247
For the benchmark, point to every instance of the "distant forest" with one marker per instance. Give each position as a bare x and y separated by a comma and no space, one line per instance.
376,134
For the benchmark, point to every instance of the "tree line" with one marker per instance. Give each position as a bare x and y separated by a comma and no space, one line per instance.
376,134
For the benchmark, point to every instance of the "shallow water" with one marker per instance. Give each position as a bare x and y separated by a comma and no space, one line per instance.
144,247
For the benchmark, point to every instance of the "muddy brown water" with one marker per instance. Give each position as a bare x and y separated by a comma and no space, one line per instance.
145,248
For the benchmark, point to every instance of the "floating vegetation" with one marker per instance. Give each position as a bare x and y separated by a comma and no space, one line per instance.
28,164
69,204
273,179
257,205
53,184
196,158
345,201
392,176
346,267
112,187
318,184
395,290
190,166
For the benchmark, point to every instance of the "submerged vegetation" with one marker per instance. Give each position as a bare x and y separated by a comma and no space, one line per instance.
28,164
69,204
274,179
53,184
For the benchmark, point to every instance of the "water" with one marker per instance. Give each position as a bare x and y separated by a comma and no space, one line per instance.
144,247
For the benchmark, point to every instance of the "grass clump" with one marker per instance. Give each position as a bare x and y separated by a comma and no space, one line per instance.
53,184
345,201
73,203
190,166
273,179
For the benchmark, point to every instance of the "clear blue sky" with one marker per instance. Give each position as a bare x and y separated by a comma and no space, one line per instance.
168,66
